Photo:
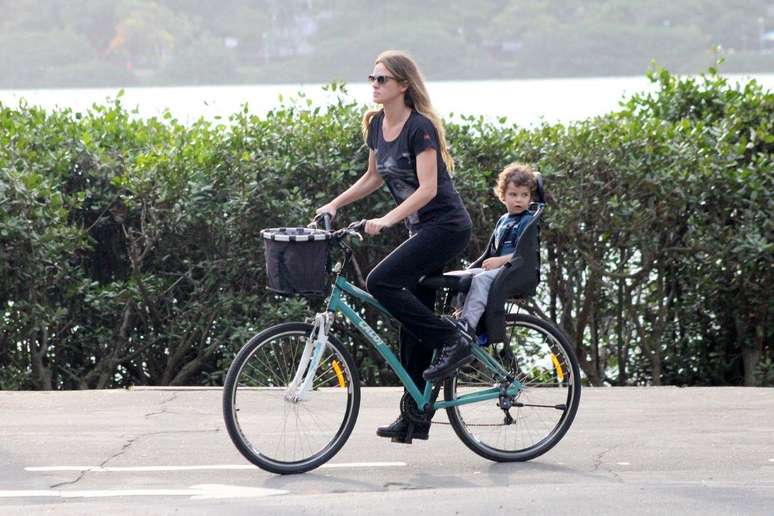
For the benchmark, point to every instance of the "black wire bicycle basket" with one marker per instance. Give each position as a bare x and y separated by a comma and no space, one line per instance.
297,260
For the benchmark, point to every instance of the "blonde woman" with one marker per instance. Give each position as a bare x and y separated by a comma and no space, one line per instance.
408,153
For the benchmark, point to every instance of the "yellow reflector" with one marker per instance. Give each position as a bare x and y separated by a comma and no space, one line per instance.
558,367
339,374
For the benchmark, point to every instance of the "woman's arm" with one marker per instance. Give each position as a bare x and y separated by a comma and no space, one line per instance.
367,184
427,174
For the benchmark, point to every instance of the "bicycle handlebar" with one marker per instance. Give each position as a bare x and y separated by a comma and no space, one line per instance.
354,229
327,219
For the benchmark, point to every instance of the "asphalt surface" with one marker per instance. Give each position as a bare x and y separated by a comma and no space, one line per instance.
631,450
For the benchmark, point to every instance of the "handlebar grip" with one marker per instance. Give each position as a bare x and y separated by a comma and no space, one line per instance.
328,221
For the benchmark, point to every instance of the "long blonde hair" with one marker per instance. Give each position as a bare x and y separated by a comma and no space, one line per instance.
405,70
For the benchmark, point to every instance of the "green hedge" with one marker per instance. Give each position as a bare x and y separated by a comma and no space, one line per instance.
130,250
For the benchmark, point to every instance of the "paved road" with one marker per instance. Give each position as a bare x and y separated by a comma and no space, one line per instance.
634,450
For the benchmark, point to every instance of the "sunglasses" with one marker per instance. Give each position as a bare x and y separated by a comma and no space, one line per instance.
380,79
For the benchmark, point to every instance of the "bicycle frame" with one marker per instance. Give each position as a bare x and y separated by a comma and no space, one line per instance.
337,303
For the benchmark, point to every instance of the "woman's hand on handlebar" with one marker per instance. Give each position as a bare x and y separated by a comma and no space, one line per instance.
328,208
375,226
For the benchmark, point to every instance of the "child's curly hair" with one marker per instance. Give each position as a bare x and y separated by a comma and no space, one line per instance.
517,174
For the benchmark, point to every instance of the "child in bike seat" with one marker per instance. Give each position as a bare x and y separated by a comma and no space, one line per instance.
515,188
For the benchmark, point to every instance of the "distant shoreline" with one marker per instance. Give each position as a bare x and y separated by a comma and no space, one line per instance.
522,101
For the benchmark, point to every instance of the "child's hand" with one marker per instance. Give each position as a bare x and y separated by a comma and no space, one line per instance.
495,262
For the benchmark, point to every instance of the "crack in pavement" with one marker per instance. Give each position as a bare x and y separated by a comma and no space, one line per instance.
126,446
598,463
83,473
163,406
131,441
598,459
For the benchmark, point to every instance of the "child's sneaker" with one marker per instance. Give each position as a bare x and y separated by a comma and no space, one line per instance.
463,326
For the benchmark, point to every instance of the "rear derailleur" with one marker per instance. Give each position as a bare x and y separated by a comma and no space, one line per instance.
505,401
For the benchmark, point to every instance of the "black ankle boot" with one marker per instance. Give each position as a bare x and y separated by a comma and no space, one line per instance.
399,430
449,359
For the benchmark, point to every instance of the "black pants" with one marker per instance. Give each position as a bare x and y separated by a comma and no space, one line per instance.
393,282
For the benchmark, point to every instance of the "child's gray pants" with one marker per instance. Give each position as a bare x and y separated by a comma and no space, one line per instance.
475,301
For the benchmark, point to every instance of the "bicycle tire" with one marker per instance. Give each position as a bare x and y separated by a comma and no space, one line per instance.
531,363
267,422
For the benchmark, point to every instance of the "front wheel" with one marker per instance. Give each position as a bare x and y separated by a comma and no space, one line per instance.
539,356
273,427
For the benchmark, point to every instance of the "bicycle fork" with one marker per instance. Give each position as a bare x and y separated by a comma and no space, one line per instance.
310,359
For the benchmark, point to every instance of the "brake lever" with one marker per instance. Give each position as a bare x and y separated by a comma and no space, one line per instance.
358,225
353,229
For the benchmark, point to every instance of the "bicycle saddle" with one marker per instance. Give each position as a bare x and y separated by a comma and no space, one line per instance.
458,281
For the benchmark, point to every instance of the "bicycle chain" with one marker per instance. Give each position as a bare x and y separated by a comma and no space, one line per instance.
409,408
476,424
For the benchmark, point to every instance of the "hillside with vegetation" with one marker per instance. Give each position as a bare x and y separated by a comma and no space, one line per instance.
82,43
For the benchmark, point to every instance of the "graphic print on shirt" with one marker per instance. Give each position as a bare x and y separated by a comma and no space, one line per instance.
400,179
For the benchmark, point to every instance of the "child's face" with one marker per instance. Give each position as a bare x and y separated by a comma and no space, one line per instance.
516,198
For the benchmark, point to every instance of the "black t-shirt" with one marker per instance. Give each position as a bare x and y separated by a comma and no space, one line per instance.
396,163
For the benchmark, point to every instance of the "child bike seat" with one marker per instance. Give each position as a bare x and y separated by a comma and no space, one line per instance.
518,278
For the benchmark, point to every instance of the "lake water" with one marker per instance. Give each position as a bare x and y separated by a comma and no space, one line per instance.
526,101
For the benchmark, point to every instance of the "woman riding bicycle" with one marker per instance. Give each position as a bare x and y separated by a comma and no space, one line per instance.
408,152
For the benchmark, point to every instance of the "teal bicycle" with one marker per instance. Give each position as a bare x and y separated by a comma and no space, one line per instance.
292,394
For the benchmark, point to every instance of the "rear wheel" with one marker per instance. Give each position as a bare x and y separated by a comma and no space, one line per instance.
539,356
268,426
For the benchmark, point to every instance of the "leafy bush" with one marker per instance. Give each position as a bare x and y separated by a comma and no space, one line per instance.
130,249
